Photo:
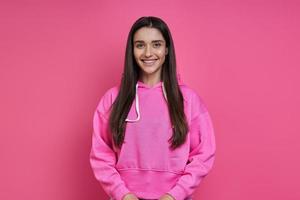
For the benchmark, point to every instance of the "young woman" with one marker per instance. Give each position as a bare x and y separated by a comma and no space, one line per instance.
152,135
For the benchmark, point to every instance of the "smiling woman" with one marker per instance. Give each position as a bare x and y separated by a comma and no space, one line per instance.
153,137
149,52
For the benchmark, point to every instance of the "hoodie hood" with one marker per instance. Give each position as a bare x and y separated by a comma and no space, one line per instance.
143,85
159,84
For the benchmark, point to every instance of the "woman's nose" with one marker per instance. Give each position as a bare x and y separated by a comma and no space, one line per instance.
148,51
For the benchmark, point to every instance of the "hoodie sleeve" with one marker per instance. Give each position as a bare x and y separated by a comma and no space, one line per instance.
202,151
102,157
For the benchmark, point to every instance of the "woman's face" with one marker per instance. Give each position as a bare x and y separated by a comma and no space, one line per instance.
149,49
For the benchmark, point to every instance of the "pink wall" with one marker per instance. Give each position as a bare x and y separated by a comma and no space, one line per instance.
58,58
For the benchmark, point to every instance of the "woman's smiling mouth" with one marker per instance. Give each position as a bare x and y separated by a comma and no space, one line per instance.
149,61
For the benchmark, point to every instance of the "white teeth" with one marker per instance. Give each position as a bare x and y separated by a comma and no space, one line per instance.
149,62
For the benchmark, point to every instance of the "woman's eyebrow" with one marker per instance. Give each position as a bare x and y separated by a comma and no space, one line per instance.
157,41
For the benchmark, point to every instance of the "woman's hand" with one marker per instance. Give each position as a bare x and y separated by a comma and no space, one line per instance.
130,196
166,197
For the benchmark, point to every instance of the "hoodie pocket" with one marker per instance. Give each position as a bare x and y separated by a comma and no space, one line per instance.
149,148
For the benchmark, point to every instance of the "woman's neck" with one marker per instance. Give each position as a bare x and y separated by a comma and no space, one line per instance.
150,80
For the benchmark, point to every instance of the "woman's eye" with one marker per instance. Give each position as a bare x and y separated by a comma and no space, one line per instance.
139,45
157,44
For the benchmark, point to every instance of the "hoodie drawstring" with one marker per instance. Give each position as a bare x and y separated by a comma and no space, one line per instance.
137,102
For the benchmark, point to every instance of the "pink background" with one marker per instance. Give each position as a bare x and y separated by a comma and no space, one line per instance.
57,58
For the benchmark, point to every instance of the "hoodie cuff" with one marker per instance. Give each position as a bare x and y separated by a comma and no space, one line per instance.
120,192
177,192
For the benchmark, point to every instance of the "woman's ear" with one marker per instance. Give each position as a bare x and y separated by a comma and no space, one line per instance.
167,51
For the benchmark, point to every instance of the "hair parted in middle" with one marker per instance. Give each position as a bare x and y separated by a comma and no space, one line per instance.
123,102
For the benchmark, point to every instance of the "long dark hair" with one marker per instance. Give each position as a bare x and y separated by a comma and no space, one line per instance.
123,102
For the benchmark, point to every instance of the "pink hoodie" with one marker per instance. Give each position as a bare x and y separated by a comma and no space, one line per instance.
145,165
